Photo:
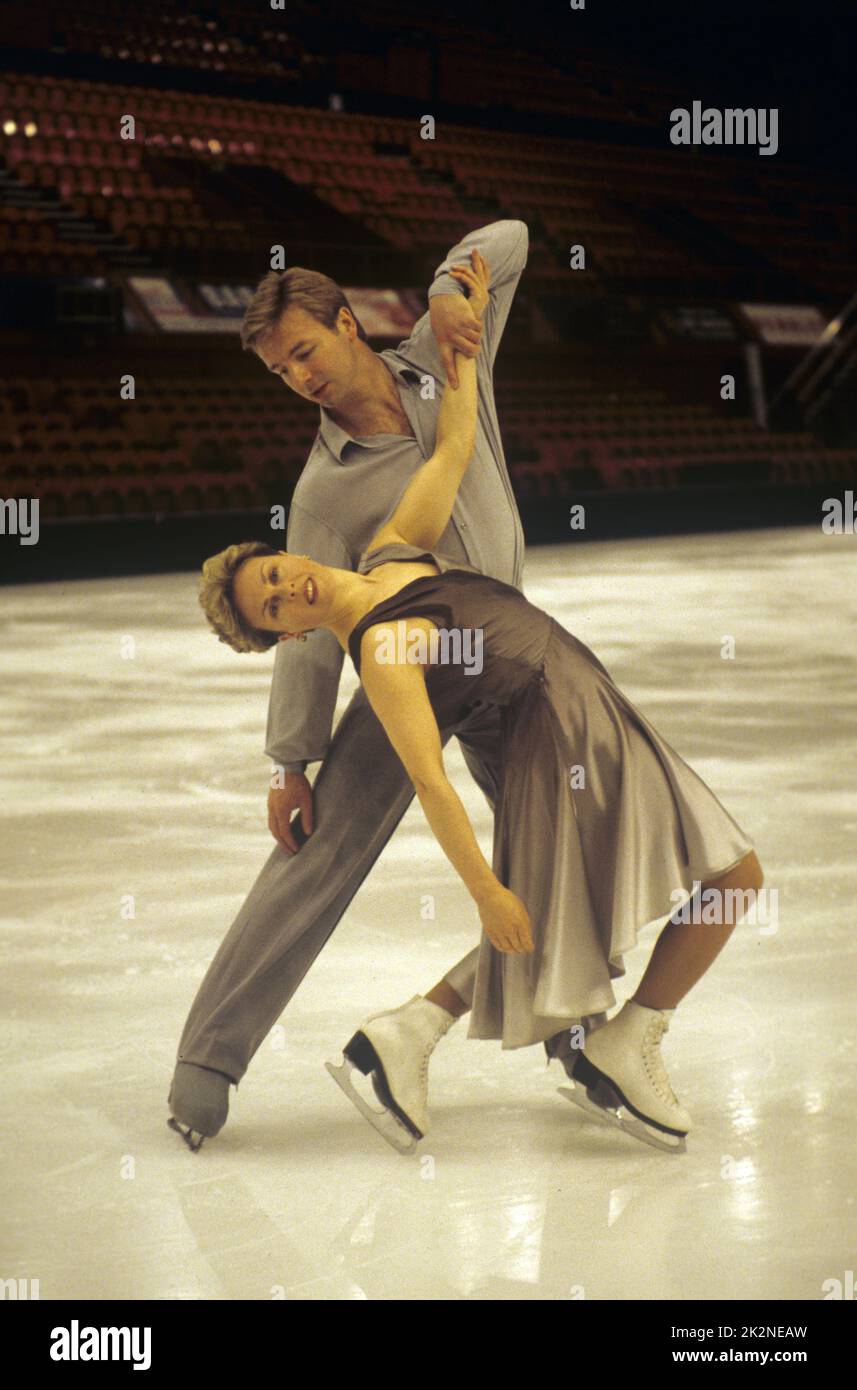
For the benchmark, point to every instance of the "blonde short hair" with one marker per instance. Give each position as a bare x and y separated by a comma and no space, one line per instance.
277,291
217,598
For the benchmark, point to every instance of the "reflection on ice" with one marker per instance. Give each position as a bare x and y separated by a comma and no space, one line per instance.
141,780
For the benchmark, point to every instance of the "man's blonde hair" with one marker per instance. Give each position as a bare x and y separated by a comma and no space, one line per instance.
277,291
217,598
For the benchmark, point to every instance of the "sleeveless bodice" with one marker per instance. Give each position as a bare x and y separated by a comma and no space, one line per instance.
491,640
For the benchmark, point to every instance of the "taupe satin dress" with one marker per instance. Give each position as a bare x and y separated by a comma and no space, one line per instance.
594,863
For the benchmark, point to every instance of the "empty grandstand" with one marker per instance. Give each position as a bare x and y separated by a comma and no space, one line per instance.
148,168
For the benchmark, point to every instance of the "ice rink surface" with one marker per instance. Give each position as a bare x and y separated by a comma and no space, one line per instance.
132,765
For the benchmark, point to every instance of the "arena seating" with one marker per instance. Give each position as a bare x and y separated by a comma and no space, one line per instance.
214,177
235,445
660,224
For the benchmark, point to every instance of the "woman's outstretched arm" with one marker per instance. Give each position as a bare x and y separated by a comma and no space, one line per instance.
397,693
426,504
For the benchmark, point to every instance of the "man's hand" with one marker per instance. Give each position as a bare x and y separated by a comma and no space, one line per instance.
456,329
294,795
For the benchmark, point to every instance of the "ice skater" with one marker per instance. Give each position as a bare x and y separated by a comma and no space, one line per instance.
377,425
579,867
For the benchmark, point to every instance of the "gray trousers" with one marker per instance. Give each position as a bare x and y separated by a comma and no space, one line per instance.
360,794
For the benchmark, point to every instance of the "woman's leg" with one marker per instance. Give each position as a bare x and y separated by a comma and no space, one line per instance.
684,950
444,995
682,953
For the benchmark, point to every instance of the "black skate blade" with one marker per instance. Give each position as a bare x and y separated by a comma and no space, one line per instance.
360,1052
621,1119
384,1122
600,1097
602,1089
187,1134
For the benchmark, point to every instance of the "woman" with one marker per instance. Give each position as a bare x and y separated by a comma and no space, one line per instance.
600,825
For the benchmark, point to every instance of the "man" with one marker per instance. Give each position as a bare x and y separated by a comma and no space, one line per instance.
376,428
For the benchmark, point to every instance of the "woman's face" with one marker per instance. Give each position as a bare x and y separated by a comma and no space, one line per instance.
282,592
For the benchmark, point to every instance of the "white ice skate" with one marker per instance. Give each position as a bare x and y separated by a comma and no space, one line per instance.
393,1048
620,1078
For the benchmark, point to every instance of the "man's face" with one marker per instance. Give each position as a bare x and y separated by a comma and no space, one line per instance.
315,362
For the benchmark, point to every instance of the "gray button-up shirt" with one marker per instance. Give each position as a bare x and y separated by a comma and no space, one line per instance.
350,487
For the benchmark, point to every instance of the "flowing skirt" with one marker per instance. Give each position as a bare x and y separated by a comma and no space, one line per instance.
600,829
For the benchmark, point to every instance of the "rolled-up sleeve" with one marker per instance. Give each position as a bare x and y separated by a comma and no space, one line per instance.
504,245
306,674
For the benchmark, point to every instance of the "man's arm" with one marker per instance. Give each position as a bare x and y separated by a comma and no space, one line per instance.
504,246
306,674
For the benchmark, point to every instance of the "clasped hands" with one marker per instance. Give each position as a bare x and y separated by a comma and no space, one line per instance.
456,320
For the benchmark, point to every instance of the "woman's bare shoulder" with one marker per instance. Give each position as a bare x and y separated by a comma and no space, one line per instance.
392,642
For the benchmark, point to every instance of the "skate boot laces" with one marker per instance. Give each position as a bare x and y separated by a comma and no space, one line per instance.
654,1062
431,1043
430,1047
